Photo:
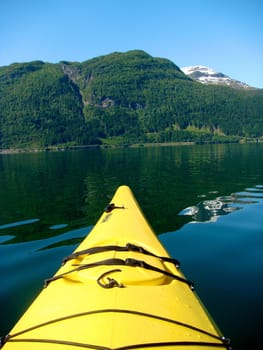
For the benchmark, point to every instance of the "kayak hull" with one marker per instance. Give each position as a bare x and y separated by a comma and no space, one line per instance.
118,290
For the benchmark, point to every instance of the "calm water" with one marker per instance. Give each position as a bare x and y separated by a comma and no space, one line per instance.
205,202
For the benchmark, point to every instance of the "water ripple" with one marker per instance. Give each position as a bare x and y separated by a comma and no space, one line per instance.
18,223
211,210
58,226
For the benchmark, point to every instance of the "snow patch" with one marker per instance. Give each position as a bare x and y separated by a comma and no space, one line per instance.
207,75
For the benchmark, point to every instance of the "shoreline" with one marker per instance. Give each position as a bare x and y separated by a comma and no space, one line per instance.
105,146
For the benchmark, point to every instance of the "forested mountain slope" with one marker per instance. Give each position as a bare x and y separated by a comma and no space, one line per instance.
121,97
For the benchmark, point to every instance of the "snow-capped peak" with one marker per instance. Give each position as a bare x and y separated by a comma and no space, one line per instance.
207,75
203,69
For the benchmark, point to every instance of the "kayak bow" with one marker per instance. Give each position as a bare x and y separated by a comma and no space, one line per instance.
118,290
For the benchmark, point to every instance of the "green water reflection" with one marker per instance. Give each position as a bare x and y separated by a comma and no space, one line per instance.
69,189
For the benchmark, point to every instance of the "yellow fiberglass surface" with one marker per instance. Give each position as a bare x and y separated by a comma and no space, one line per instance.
118,290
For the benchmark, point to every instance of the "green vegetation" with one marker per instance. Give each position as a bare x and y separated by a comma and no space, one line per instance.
119,99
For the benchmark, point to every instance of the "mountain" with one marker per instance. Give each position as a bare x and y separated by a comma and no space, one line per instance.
119,99
206,75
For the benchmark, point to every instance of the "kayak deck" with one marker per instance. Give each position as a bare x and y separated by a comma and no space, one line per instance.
118,290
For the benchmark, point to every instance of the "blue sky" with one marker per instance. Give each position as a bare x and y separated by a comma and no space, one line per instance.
226,35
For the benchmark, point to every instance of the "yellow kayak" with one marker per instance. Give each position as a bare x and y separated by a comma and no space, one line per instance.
118,290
